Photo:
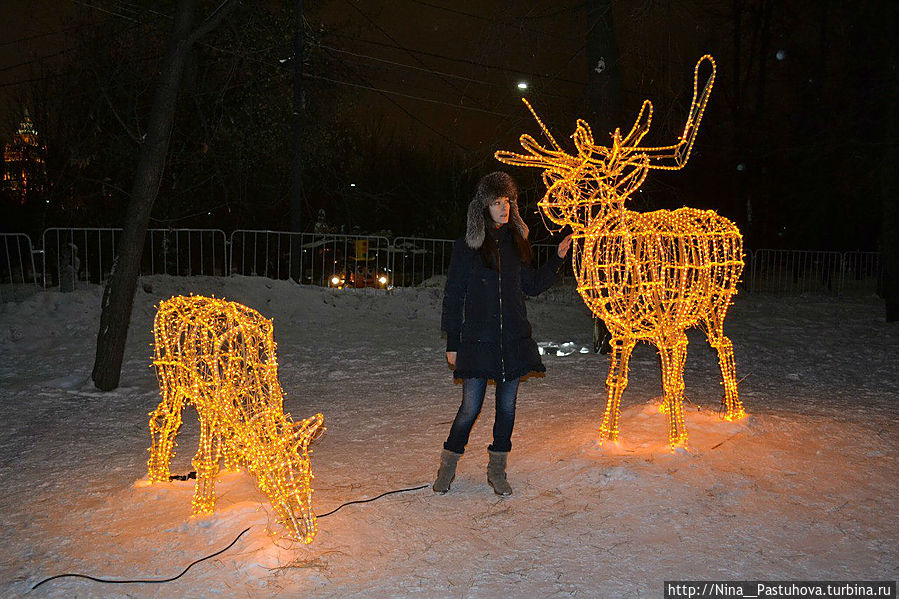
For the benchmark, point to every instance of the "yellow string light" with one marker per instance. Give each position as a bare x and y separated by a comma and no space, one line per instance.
649,276
220,357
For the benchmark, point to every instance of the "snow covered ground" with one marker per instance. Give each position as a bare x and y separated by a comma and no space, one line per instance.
803,489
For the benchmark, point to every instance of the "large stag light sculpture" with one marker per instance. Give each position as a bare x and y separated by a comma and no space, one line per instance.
649,276
219,356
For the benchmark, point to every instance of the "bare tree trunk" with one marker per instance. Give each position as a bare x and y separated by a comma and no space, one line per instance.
603,92
603,69
748,77
889,192
296,197
118,297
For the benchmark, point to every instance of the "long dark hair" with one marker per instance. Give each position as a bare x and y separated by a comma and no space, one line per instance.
488,248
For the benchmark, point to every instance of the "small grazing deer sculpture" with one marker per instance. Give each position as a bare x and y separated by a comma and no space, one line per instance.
649,276
219,357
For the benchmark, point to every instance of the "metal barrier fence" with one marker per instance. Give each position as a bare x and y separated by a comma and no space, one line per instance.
185,252
862,272
787,271
313,258
18,276
543,251
77,255
802,271
417,261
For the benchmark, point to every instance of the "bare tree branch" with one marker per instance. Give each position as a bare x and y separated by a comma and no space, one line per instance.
213,20
132,134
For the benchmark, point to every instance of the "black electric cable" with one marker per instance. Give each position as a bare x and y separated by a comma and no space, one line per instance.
372,499
144,581
176,477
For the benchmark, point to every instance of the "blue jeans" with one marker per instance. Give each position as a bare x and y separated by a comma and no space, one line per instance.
473,391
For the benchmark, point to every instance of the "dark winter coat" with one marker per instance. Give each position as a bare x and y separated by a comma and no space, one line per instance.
484,313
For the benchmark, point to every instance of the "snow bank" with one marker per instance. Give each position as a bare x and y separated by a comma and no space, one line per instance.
803,489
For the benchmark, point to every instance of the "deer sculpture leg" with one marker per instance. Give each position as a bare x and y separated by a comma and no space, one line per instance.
673,353
206,465
616,383
223,451
165,421
732,404
232,464
733,407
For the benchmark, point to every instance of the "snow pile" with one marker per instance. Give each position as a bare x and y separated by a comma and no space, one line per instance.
803,489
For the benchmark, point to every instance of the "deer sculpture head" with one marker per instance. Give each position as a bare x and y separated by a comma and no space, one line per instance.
584,186
282,469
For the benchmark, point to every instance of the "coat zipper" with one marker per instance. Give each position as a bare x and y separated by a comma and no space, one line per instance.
499,268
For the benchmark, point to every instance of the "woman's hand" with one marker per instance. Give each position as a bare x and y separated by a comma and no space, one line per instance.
564,245
451,359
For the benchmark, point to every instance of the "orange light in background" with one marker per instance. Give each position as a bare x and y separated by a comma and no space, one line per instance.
220,357
649,276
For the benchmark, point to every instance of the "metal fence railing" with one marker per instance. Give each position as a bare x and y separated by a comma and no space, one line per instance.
416,261
311,258
72,256
804,271
185,252
76,255
743,283
789,271
18,276
542,253
565,290
85,255
862,272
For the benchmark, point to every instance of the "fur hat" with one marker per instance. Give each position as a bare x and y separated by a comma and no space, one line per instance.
490,187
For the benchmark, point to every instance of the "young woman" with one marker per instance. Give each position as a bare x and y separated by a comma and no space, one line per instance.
488,336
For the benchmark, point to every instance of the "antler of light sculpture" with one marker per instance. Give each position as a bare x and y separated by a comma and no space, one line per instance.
649,276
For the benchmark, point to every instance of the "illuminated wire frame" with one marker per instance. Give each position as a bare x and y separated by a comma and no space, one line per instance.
219,357
649,276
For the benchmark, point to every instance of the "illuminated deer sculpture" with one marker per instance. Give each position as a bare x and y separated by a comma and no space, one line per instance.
220,357
649,276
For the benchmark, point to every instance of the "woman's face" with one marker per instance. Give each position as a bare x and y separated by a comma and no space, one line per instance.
499,210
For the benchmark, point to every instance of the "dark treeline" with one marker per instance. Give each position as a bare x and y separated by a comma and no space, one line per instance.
229,163
792,146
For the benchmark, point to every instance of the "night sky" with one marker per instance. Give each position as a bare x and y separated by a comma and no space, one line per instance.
788,147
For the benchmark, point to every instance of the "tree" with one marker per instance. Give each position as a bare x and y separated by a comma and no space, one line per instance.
604,71
751,38
118,297
889,190
296,196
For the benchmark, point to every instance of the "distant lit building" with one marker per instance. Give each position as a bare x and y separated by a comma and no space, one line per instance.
24,167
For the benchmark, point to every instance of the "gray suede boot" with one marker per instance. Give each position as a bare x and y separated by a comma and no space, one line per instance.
447,471
496,472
